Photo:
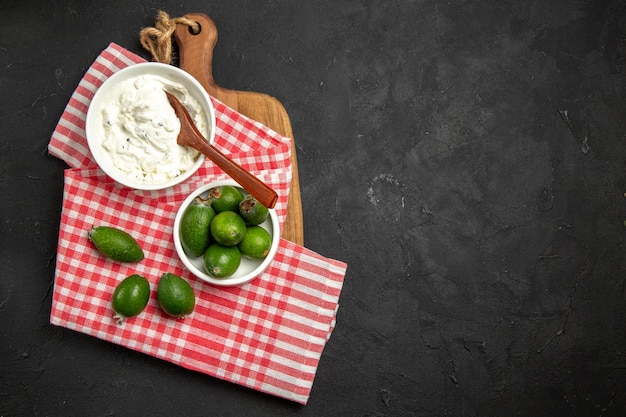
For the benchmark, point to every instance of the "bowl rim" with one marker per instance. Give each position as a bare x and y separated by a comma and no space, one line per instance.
155,68
223,282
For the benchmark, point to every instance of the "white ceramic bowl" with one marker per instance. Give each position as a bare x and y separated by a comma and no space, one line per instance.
93,122
249,268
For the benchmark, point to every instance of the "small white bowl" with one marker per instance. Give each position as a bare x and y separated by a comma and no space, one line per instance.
93,122
249,268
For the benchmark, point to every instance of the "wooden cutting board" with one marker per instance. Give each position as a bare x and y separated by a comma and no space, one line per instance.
196,57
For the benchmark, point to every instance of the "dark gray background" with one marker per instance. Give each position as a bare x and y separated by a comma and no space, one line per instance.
465,158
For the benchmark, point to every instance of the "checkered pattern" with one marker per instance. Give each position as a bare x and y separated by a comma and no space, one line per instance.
267,335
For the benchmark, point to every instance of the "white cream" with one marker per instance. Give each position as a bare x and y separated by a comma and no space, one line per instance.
140,127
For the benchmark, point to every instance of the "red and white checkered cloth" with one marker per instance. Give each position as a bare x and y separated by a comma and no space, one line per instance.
267,335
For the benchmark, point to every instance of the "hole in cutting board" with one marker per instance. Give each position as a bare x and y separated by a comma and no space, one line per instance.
195,30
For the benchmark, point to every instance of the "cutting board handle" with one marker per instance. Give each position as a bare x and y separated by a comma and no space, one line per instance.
195,50
196,56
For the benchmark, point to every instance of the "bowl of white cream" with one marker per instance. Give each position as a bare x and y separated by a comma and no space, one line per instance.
132,129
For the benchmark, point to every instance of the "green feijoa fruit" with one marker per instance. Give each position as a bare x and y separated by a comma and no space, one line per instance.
221,261
115,244
175,295
256,243
225,198
195,234
130,297
228,228
252,211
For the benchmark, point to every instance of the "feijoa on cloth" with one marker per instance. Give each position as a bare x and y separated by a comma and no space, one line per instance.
116,244
130,297
175,295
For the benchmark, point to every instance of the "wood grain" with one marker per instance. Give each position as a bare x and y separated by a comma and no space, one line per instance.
196,57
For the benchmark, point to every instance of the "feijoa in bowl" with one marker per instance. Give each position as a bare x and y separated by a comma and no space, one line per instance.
249,267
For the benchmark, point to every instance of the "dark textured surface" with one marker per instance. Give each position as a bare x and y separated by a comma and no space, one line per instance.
465,158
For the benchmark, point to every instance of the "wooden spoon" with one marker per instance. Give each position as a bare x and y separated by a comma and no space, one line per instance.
190,136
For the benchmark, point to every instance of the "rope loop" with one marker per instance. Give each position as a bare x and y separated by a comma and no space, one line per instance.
158,40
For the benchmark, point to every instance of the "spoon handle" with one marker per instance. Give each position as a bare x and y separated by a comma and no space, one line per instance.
259,190
190,136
